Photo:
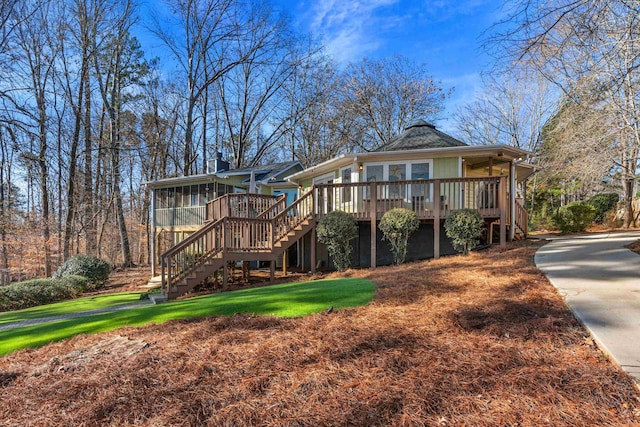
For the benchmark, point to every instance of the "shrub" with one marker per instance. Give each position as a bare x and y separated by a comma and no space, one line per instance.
40,291
574,217
94,269
464,228
603,203
336,230
396,226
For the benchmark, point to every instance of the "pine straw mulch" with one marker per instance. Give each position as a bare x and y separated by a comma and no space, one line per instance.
477,340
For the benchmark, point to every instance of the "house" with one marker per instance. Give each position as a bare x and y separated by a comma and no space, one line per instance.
422,169
179,205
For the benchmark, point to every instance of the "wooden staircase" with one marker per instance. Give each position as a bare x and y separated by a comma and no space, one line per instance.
521,221
263,234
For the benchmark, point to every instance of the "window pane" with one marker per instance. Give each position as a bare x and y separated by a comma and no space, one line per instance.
161,198
346,179
420,171
203,194
180,199
374,173
397,172
171,201
195,200
346,175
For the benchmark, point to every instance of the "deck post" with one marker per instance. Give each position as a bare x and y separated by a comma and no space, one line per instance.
272,270
225,273
503,210
374,225
284,262
512,200
436,219
153,233
313,250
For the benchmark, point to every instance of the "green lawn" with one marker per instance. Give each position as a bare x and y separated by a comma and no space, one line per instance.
286,300
70,306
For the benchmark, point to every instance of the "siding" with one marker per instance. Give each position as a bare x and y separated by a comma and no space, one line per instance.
445,167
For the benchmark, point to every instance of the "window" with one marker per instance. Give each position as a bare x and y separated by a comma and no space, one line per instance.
324,179
171,198
195,200
375,173
397,172
346,179
420,171
203,194
420,192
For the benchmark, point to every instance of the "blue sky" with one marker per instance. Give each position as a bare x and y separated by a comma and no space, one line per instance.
444,34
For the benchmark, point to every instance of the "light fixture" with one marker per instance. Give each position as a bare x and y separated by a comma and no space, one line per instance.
360,167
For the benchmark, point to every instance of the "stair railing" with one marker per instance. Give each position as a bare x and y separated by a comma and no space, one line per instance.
522,218
233,234
183,258
273,210
294,215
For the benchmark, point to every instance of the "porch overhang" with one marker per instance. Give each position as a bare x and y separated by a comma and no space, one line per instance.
480,152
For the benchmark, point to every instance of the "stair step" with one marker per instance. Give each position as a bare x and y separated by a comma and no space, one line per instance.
157,298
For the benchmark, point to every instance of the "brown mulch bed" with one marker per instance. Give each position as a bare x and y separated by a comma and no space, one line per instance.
477,340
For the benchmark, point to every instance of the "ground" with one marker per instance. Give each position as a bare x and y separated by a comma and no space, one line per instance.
477,340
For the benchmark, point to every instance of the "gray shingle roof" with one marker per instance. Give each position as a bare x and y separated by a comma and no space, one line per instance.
421,135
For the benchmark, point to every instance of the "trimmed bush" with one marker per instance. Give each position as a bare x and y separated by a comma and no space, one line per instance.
603,203
574,217
336,230
35,292
396,226
94,269
464,228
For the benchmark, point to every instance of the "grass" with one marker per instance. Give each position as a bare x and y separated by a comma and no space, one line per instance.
285,300
70,306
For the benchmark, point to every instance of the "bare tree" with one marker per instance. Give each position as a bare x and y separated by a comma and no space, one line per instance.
512,110
37,52
119,66
587,47
205,47
386,96
251,95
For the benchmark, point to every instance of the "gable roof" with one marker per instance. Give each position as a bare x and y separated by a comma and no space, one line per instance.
421,135
263,173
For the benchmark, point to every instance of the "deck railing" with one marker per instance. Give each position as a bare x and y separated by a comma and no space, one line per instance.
176,217
240,205
522,218
239,230
229,235
366,200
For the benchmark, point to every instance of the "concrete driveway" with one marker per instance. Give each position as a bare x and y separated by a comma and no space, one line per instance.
600,280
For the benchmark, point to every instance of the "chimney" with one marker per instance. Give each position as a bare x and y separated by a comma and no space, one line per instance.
217,165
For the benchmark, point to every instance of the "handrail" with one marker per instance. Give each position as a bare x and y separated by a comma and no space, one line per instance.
296,213
275,209
522,218
184,257
233,234
241,205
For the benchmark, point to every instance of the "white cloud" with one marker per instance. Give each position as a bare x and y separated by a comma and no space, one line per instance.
350,28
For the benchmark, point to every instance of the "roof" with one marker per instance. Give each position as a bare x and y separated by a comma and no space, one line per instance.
262,173
421,135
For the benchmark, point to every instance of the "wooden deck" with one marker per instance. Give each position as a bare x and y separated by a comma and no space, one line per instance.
258,227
